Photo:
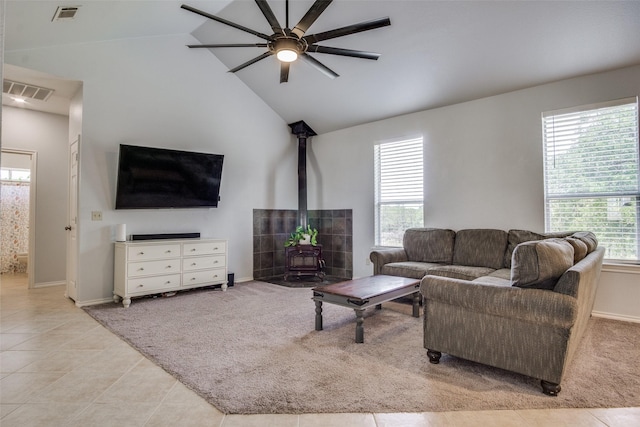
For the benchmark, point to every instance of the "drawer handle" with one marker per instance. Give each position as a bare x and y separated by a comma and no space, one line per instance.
215,249
193,278
215,275
168,266
141,269
193,249
141,286
168,251
140,253
193,264
168,282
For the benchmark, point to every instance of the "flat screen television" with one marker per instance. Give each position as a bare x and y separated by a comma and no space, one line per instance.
153,178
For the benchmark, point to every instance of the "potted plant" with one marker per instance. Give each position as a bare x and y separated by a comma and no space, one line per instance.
302,236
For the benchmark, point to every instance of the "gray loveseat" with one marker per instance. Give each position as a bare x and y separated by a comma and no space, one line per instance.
516,300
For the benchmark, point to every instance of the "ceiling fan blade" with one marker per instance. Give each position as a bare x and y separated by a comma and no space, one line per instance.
349,29
310,17
224,21
271,18
284,72
250,62
209,46
319,66
343,52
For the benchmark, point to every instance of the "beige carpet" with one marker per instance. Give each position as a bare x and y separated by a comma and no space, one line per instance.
253,349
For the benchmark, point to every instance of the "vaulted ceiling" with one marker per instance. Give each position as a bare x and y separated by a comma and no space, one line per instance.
435,53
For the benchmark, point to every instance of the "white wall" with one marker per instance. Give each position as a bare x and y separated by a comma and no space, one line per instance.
483,167
136,93
45,134
484,158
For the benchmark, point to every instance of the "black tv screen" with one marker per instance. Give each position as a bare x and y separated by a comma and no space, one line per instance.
161,178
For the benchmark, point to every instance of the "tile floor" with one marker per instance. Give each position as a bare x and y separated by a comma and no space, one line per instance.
59,367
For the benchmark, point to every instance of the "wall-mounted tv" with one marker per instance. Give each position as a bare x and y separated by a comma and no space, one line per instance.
151,178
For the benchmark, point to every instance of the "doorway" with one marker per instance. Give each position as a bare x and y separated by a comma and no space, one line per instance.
17,211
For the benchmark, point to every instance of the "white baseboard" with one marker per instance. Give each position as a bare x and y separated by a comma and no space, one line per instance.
243,279
614,316
93,302
49,284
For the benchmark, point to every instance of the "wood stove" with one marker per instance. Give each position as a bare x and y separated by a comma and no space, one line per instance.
304,260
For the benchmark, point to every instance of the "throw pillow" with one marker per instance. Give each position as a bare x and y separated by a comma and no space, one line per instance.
539,264
515,238
579,249
587,237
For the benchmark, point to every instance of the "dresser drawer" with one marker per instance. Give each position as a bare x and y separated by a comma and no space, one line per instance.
200,263
203,248
213,276
148,285
148,268
142,252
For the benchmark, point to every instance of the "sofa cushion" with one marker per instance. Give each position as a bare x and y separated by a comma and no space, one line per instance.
413,269
588,238
429,244
539,264
492,280
514,239
480,248
580,249
462,272
503,273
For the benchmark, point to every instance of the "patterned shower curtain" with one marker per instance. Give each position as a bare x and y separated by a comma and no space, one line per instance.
14,223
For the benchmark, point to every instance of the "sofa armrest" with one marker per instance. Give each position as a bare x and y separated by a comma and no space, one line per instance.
532,305
381,257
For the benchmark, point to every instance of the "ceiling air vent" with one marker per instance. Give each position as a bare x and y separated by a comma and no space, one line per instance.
64,13
24,90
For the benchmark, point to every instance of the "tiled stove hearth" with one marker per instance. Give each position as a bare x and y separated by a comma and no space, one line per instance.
271,228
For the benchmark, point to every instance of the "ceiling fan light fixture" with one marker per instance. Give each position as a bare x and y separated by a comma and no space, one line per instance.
290,44
287,55
287,49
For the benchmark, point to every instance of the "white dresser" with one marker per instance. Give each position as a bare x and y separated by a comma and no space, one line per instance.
157,266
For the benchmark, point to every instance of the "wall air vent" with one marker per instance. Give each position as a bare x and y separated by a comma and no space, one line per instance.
64,13
24,90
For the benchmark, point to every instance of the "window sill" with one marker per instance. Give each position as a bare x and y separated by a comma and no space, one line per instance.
619,267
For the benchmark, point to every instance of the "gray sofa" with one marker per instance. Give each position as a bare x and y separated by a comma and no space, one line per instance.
516,300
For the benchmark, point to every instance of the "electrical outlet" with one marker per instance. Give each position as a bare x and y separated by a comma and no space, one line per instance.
96,216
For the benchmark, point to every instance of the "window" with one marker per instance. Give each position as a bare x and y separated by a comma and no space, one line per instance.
14,174
399,197
592,174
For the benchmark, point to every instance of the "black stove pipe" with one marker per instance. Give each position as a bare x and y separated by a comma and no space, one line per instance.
302,131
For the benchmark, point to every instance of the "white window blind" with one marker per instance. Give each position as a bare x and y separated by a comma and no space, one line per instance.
399,194
592,174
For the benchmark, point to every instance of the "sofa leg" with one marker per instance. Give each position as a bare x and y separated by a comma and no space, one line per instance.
550,389
434,356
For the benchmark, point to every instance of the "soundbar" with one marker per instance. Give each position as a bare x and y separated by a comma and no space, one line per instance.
165,236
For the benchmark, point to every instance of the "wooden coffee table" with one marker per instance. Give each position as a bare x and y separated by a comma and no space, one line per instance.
363,293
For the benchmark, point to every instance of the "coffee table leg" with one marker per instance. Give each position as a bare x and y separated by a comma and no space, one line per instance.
416,304
359,326
318,315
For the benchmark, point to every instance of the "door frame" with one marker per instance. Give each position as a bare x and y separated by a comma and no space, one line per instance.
32,211
71,244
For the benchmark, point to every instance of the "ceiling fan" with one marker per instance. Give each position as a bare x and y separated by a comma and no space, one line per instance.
290,44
